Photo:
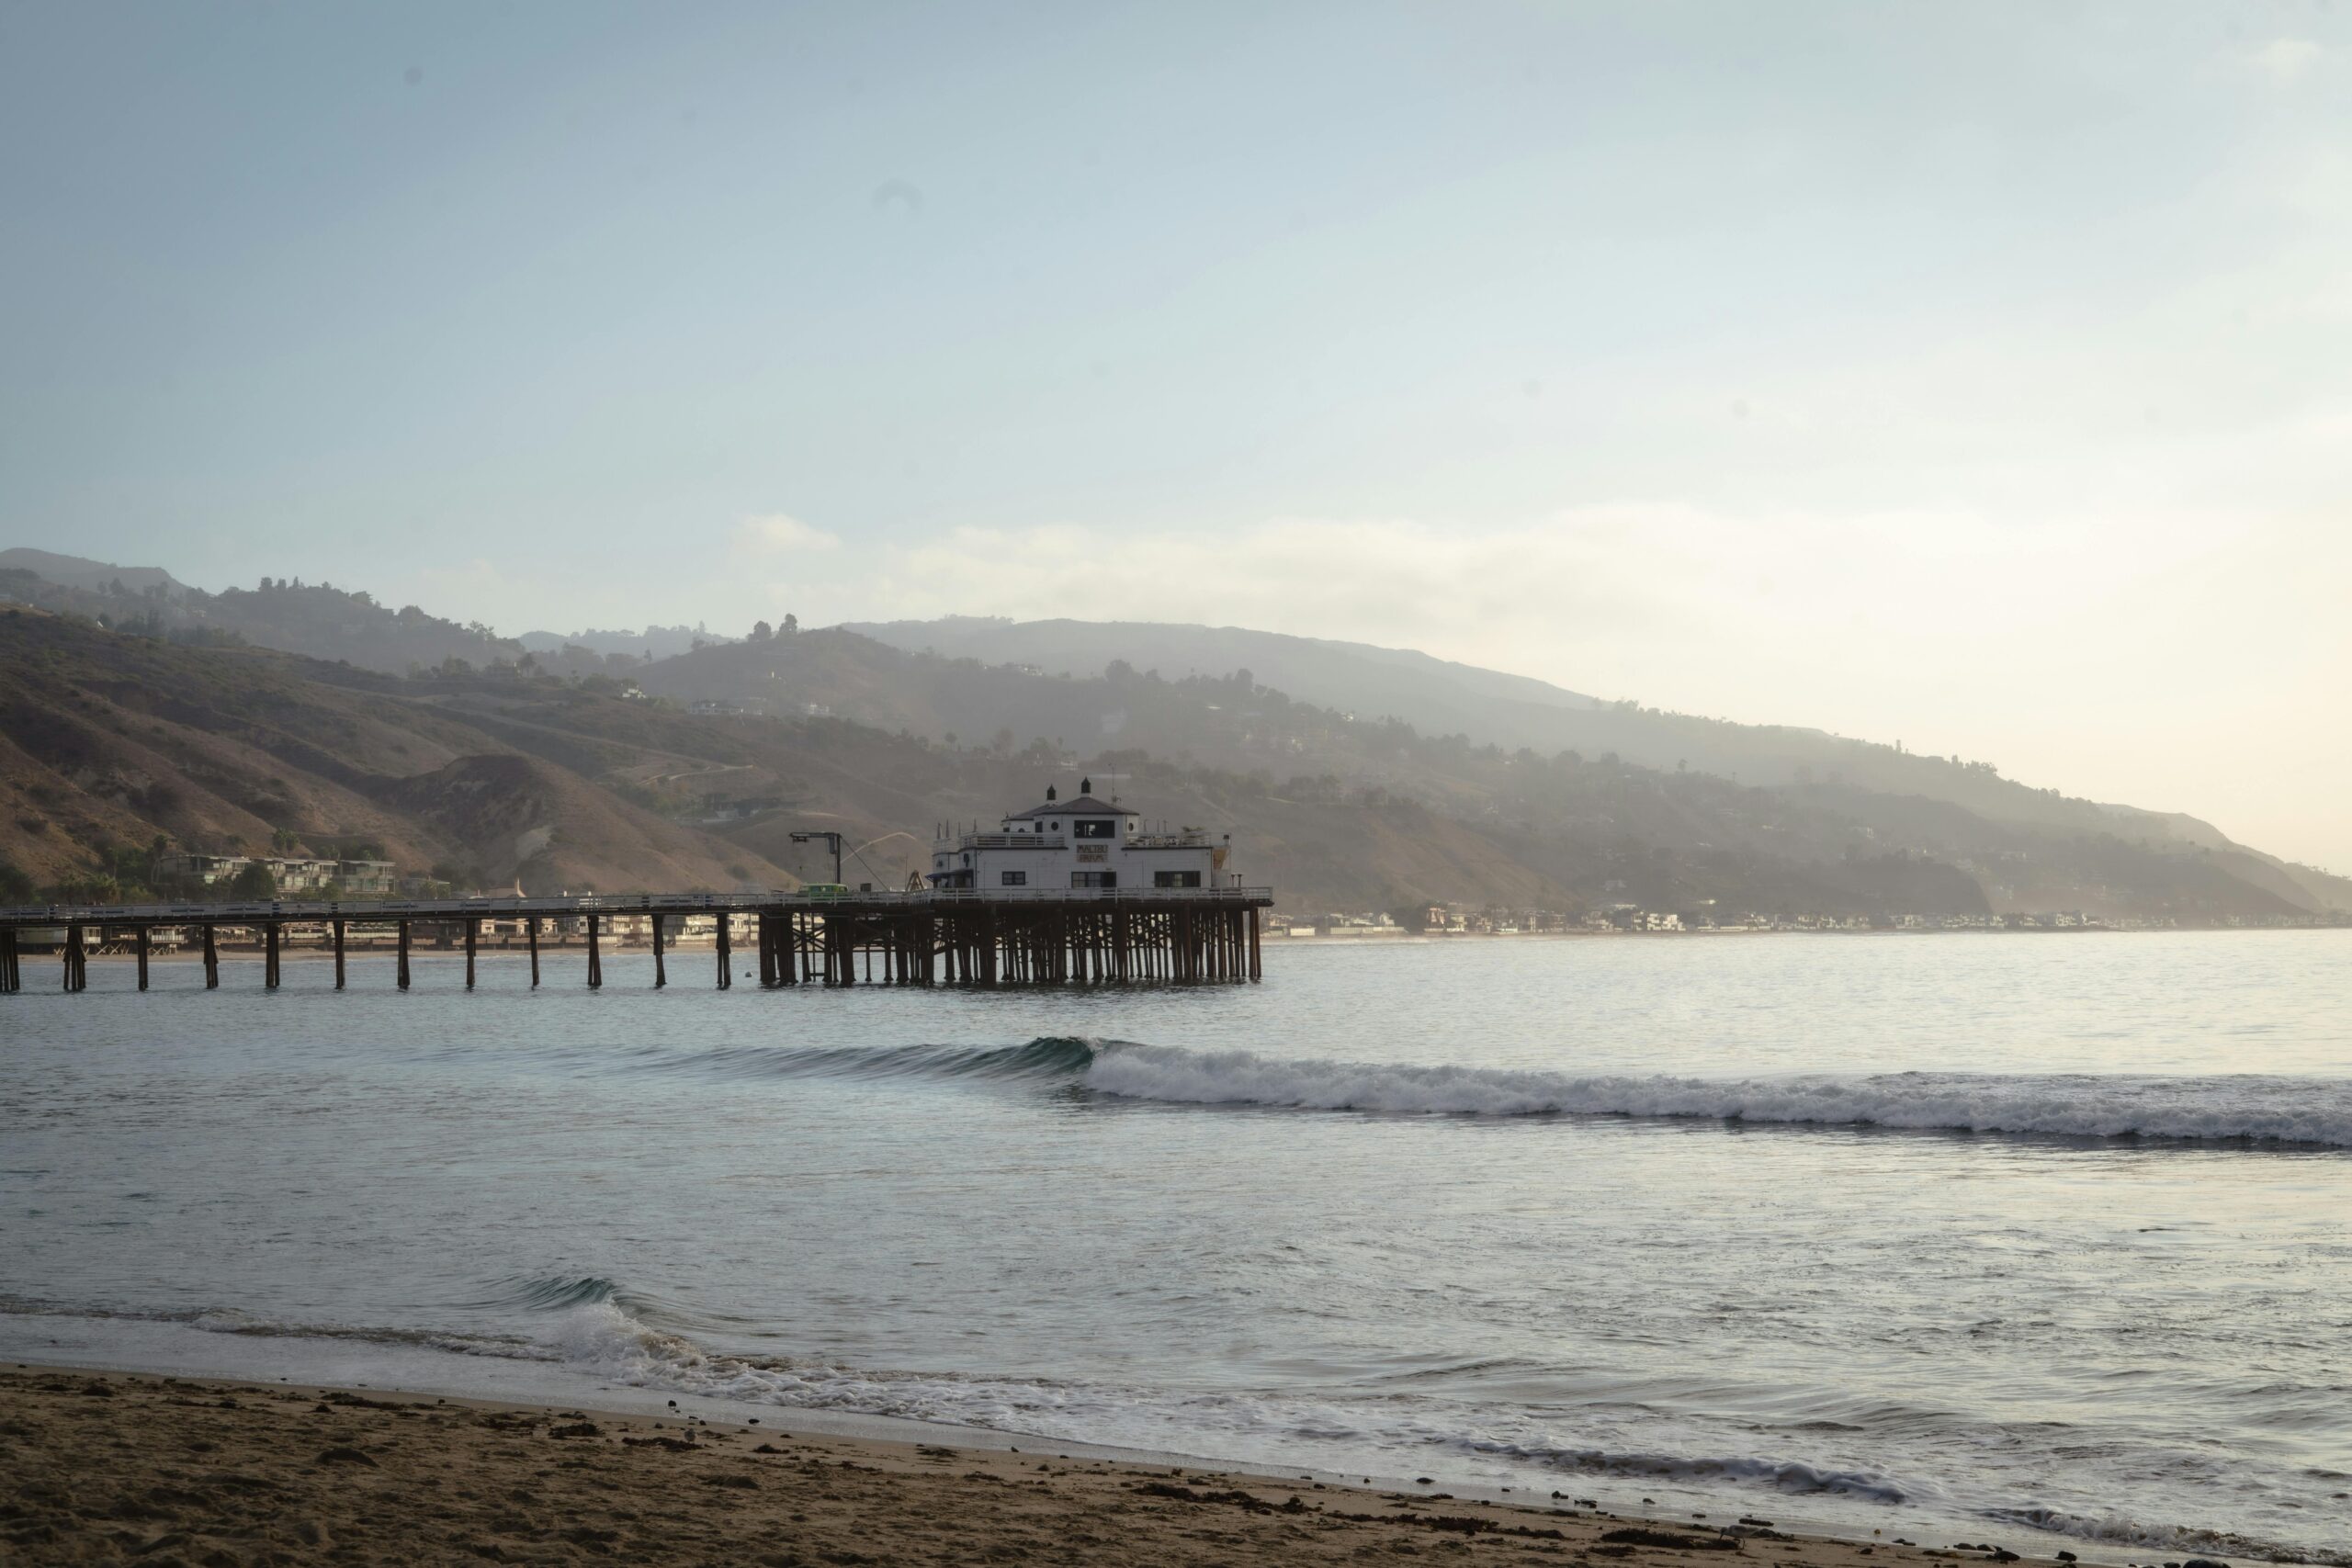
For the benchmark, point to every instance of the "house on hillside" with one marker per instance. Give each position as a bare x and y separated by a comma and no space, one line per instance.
1083,842
288,874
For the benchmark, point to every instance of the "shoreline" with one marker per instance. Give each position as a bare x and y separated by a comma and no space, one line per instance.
218,1471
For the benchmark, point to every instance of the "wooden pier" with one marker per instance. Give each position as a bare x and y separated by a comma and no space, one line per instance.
1083,936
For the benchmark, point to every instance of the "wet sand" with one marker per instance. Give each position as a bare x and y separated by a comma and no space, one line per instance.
109,1467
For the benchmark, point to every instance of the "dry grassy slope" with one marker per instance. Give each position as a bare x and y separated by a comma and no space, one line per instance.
1317,857
1836,843
1666,841
107,738
117,740
1440,697
528,821
851,675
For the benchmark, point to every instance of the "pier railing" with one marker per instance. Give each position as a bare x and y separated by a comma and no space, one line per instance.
362,910
957,936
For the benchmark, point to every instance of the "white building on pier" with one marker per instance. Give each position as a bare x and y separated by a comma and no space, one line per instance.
1079,843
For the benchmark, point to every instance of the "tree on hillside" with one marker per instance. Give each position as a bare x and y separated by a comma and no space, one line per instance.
253,883
93,888
761,631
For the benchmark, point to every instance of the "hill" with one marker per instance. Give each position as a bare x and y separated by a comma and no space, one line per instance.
1581,828
1437,696
111,743
92,576
316,619
692,772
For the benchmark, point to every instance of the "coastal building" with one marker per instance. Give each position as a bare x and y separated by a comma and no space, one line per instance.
356,878
1082,842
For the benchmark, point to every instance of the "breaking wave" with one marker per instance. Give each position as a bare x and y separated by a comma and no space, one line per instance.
1048,1056
1792,1476
2235,1108
2116,1530
616,1345
2246,1109
545,1293
585,1323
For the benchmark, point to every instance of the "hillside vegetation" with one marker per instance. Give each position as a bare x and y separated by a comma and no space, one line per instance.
1440,697
114,740
1585,826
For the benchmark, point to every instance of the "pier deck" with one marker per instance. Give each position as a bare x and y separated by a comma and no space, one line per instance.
1036,936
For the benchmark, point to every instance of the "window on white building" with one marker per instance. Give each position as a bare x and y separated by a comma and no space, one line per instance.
1093,879
1014,879
1095,828
1175,879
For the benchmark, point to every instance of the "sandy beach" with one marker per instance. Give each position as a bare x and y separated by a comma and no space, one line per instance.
106,1467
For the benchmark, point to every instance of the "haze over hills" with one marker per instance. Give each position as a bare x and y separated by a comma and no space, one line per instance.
317,619
1385,779
2025,848
1438,696
1379,681
91,576
654,642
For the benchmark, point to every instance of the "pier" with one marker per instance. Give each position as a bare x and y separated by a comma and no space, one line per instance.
952,936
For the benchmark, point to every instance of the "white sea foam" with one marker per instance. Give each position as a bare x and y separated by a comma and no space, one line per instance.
2116,1529
2251,1108
603,1337
603,1341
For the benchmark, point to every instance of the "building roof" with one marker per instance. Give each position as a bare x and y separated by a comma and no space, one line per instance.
1081,806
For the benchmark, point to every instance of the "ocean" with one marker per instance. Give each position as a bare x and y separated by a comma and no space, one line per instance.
2043,1240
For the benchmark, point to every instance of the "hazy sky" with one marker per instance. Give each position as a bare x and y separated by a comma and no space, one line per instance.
1978,376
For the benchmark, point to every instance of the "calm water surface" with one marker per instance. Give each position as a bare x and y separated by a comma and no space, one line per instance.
1965,1235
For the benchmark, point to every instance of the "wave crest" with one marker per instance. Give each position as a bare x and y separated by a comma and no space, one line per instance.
1052,1056
2239,1108
1792,1476
546,1292
2116,1531
2220,1107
